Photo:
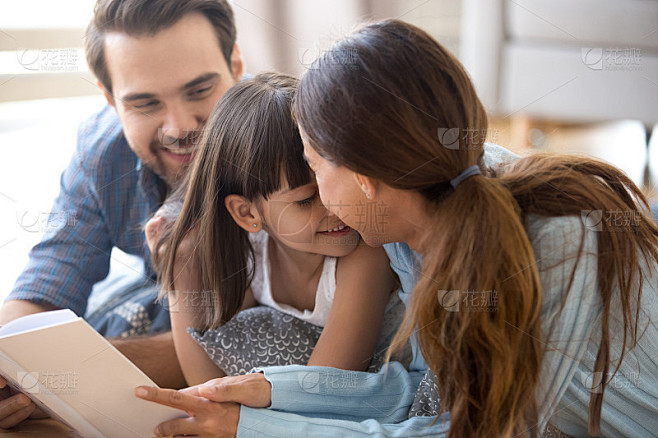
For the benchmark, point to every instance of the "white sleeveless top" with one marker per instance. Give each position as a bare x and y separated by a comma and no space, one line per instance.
260,285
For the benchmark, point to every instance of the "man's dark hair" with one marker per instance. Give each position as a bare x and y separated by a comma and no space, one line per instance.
148,17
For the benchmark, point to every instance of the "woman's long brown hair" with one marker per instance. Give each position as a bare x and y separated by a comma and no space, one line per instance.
250,146
391,103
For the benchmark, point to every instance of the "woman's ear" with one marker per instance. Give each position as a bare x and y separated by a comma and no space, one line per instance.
368,185
244,213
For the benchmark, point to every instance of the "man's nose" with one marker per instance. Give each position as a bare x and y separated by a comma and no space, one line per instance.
179,123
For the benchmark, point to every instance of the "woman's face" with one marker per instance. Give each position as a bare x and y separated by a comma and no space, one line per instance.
342,195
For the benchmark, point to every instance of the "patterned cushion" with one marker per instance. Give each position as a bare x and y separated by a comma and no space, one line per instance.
427,402
262,336
259,336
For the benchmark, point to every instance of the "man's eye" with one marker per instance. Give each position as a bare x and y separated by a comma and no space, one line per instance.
201,92
147,105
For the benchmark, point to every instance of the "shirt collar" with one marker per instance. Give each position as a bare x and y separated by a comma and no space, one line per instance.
153,187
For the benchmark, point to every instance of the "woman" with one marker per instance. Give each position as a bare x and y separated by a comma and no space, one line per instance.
536,301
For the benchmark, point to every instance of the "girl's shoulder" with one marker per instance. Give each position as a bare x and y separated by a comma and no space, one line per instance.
259,239
362,254
258,243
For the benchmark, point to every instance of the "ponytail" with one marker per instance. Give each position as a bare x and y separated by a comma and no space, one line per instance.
476,309
487,352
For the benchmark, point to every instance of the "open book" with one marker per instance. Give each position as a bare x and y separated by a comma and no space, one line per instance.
77,376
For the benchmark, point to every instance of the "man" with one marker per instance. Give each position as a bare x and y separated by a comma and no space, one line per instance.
162,65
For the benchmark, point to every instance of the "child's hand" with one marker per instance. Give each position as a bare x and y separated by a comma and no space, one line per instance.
251,390
206,418
152,230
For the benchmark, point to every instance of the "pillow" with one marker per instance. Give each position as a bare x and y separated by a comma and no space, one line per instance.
427,402
263,336
259,336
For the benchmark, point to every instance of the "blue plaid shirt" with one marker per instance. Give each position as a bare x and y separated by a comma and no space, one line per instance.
105,198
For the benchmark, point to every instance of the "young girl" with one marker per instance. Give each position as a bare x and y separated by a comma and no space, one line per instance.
252,230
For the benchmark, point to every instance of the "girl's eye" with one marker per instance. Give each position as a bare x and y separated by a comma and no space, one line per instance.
306,202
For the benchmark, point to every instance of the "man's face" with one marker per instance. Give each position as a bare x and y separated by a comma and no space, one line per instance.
164,87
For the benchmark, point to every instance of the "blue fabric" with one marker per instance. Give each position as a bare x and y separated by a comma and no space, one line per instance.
306,401
132,310
106,196
258,423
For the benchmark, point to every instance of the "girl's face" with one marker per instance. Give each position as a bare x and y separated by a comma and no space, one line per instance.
341,194
296,218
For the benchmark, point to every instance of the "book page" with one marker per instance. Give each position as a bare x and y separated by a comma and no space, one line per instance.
37,321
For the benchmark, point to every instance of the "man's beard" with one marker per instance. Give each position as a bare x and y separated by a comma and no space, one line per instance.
173,178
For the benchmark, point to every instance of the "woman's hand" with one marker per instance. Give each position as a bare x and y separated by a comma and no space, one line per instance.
251,390
207,419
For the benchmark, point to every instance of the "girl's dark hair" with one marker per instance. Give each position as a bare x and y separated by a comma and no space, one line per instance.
391,103
250,147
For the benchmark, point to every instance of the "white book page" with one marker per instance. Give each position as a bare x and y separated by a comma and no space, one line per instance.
37,321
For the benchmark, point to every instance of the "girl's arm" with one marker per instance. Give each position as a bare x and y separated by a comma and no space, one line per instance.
185,310
364,282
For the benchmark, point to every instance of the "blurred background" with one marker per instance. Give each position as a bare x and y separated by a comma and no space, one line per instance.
575,76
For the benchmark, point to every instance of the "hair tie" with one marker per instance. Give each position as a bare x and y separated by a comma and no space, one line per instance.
467,173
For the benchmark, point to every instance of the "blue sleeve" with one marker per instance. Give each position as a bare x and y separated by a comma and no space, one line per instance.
75,250
569,311
333,393
264,422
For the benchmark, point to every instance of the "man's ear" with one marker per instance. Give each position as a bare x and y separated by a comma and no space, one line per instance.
244,213
368,185
237,65
107,94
